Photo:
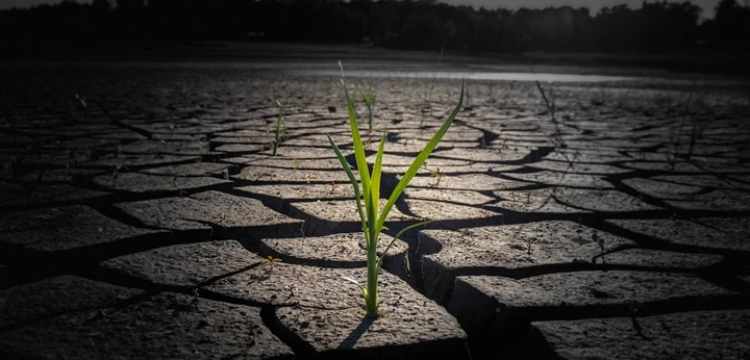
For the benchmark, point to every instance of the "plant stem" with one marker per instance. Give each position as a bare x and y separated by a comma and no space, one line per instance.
369,124
371,300
278,126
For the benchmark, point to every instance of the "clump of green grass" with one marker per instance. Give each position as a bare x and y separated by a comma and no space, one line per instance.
367,190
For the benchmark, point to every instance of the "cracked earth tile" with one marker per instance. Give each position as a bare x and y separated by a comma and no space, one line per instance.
54,232
552,178
532,201
514,249
166,326
154,184
457,133
446,211
731,182
687,335
264,174
278,197
716,200
662,166
490,157
601,200
57,296
241,148
409,327
469,182
710,233
576,167
399,164
660,189
185,265
284,284
463,197
43,193
486,304
135,162
193,169
58,175
230,216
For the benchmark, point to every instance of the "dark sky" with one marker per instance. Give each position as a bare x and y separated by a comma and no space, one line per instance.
594,5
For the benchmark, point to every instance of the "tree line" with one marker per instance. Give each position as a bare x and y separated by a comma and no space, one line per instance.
406,24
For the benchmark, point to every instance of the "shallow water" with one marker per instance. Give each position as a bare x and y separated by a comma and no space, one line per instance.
490,76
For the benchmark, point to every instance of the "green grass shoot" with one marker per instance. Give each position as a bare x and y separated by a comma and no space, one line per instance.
368,96
279,124
367,195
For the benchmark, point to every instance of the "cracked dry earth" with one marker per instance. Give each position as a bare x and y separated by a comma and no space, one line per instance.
138,203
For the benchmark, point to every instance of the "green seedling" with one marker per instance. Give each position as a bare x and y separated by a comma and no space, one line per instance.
428,90
259,176
82,101
367,190
530,241
368,96
279,124
270,260
599,241
697,126
549,102
333,187
84,105
491,94
438,175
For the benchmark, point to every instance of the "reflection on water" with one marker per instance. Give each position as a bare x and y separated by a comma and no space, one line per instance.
492,76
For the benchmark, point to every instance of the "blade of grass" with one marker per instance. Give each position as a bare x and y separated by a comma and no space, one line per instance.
279,120
355,282
359,155
380,259
376,174
355,184
421,158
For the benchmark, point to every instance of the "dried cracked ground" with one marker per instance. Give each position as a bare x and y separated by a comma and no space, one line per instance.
138,204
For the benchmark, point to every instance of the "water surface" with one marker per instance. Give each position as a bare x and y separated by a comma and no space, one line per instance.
489,76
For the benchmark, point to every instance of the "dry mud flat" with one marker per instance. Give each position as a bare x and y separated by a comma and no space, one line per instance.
136,217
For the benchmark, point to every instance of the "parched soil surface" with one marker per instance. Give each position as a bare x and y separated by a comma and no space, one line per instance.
143,215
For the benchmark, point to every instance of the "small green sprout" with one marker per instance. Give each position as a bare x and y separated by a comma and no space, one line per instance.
530,241
549,102
279,123
368,96
82,101
367,190
437,174
333,187
599,241
271,261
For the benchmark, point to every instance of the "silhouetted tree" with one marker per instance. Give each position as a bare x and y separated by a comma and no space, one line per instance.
730,28
411,24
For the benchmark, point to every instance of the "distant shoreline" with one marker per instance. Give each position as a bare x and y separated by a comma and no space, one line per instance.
686,64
